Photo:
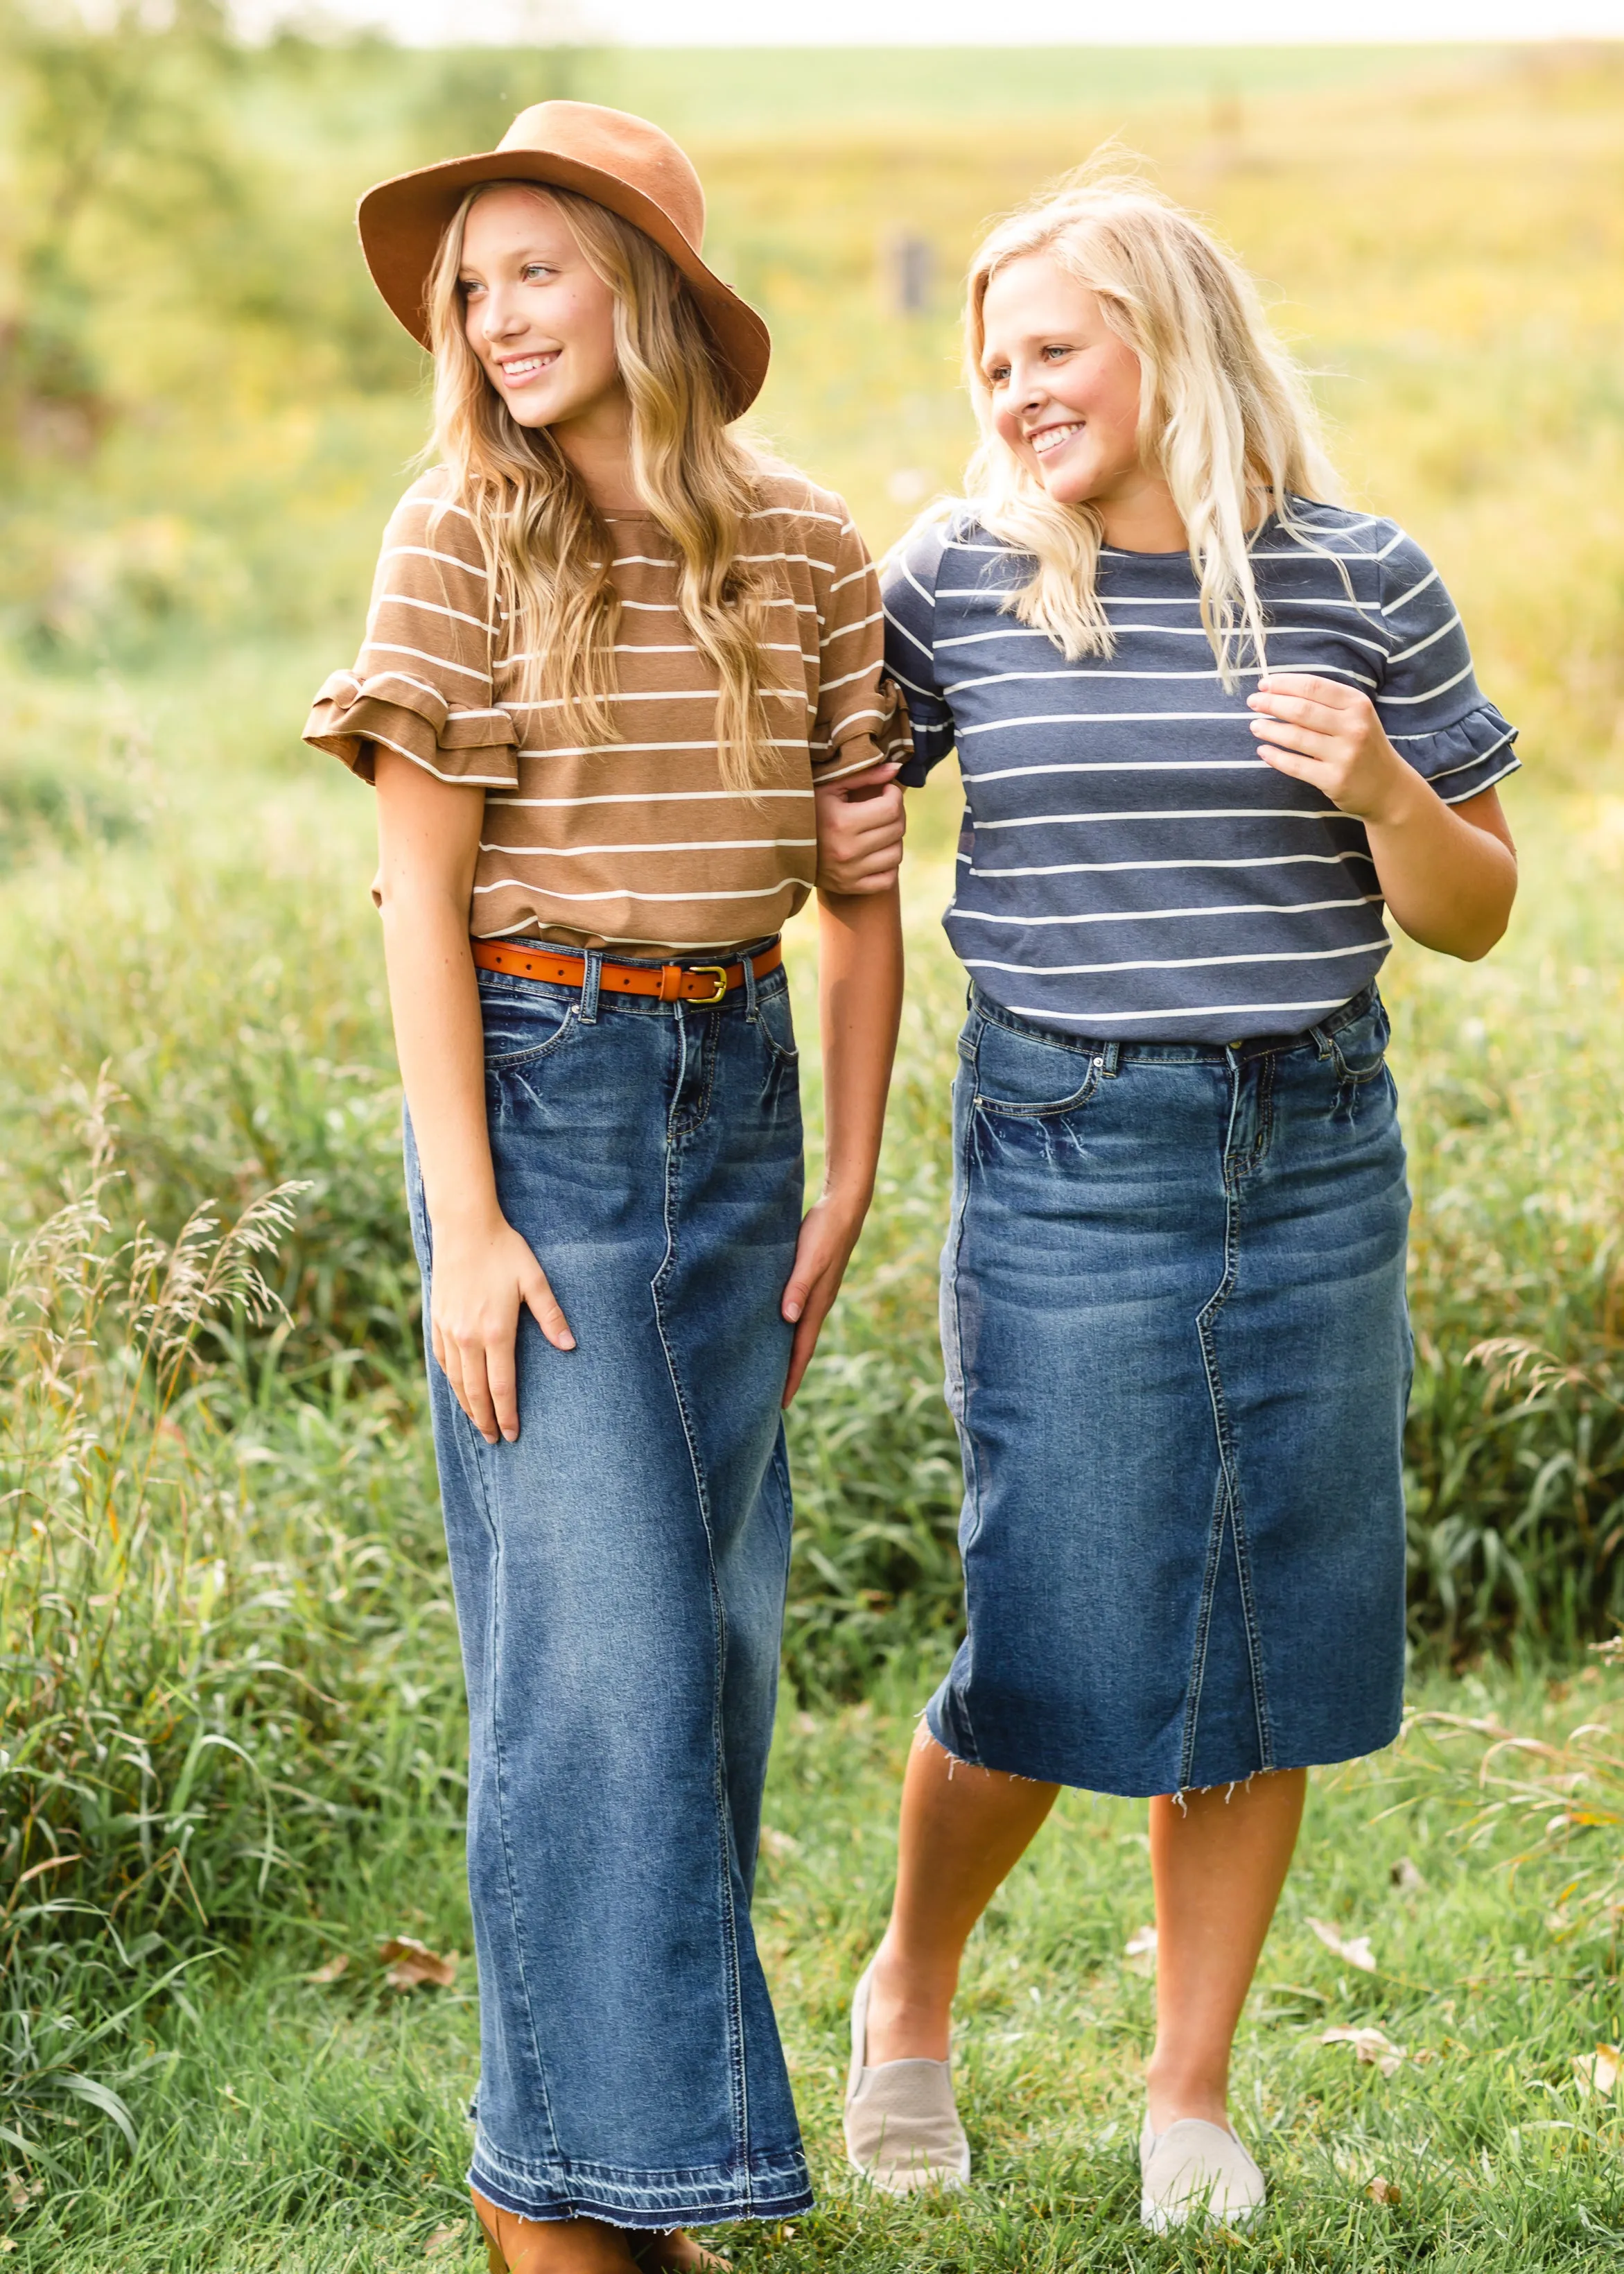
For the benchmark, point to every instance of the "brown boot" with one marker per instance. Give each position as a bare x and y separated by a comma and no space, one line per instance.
676,2251
551,2245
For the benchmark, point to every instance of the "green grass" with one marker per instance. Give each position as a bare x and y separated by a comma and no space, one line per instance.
230,1704
319,2127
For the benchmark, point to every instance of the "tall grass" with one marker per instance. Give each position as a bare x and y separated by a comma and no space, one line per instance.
228,1666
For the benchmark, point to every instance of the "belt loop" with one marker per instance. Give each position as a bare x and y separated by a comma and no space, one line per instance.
1320,1040
1110,1054
748,964
590,981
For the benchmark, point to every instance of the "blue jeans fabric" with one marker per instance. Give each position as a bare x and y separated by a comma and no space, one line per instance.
619,1574
1178,1355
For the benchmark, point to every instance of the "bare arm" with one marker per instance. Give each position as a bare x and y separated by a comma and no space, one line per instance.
428,836
859,1002
1447,872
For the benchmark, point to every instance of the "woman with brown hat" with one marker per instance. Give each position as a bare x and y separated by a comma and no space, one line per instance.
615,665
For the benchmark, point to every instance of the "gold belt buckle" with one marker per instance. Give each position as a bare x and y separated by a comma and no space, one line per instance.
717,971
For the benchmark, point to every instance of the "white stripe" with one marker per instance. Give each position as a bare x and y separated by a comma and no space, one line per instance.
1102,718
608,749
896,624
1392,702
389,647
405,600
1392,607
1133,868
1170,813
1404,653
853,577
628,939
1131,767
1156,631
1178,963
766,892
662,694
1201,1011
797,513
427,553
473,781
1460,797
1164,916
857,624
647,797
698,845
807,560
1476,758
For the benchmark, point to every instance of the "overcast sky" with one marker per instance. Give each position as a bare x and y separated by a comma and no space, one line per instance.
1198,23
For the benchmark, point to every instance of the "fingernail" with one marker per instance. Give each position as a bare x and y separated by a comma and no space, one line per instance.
791,1312
567,1342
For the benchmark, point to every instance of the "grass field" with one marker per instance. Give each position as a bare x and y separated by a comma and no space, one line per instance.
231,1710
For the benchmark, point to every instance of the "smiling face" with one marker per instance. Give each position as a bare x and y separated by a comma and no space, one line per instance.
540,320
1065,392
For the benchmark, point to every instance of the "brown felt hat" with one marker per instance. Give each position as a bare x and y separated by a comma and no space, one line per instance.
625,163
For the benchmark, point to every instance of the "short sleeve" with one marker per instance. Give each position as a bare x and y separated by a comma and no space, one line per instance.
861,719
423,684
908,589
1436,716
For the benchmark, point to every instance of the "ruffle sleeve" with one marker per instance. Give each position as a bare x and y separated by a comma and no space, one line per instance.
1464,758
351,715
423,683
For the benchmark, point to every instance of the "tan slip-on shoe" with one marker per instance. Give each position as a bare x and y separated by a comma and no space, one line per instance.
1196,2171
902,2127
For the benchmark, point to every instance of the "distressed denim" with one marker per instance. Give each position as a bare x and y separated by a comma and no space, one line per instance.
1178,1355
619,1575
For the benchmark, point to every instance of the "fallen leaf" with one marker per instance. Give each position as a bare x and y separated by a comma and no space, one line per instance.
411,1962
7,2243
331,1971
777,1843
1355,1948
1139,1950
1405,1875
1599,2071
1369,2045
1384,2191
446,2237
23,2192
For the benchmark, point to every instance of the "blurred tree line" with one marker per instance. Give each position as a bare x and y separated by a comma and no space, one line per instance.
188,337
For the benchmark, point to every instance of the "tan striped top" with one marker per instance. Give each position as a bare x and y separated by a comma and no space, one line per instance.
633,844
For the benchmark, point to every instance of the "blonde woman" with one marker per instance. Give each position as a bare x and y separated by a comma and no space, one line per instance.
610,654
1208,722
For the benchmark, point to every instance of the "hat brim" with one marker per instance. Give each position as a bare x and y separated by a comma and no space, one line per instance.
401,222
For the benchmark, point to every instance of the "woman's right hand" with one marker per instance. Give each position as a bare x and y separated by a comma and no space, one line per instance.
483,1275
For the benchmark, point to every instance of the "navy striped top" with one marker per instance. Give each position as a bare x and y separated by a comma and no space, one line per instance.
1128,865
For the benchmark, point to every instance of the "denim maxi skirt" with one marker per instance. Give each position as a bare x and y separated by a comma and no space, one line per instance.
1178,1355
619,1575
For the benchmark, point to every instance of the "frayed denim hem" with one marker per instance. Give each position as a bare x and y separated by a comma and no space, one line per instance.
766,2187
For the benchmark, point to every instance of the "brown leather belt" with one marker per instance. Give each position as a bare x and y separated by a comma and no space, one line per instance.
672,982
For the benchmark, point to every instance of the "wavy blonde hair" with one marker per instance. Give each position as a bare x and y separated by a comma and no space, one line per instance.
1225,415
547,548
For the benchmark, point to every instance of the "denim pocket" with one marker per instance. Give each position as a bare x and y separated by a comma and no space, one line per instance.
1360,1050
1029,1076
775,1020
519,1028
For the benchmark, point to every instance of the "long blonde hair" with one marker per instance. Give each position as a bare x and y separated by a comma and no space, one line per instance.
547,547
1225,415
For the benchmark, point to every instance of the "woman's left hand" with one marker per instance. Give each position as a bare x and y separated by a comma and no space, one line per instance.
828,1235
1328,736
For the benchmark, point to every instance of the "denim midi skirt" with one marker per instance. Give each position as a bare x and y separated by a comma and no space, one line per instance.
619,1574
1178,1355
